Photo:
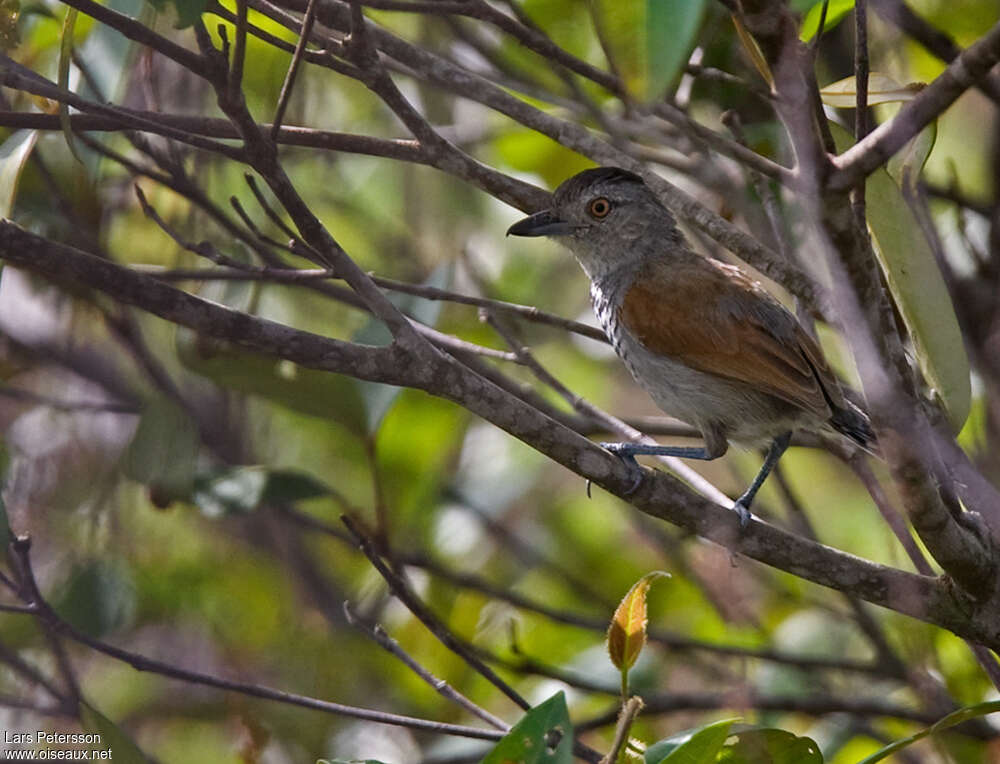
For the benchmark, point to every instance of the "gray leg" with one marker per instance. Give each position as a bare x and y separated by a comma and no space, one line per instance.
715,447
778,447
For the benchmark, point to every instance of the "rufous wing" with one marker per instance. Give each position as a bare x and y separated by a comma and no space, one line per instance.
712,318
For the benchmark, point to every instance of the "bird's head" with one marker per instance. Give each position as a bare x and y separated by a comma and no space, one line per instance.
607,216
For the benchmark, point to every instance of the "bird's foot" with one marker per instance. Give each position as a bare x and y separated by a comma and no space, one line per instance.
742,509
624,452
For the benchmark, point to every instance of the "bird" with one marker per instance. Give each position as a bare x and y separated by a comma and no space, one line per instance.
709,344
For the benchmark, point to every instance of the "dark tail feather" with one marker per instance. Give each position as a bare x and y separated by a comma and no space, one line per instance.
853,422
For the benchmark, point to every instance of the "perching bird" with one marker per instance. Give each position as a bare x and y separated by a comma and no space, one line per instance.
709,344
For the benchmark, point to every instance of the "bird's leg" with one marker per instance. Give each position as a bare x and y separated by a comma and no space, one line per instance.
628,451
777,448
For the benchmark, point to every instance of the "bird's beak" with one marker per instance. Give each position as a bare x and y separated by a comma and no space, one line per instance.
544,223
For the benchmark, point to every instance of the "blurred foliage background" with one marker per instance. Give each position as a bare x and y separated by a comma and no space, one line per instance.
183,497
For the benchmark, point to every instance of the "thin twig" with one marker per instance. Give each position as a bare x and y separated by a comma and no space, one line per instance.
671,640
630,710
293,69
275,218
22,546
892,516
387,643
402,591
867,155
861,125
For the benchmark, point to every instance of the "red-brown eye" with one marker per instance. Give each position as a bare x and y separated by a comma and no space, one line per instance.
599,207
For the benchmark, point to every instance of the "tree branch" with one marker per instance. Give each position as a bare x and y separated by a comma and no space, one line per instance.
659,495
866,156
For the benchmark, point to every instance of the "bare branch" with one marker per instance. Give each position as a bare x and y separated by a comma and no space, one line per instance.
965,71
660,495
390,645
139,662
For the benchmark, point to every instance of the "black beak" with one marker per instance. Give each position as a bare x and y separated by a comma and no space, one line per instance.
544,223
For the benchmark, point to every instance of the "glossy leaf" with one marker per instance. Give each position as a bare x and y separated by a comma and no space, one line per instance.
918,289
14,153
672,30
123,748
543,736
700,745
835,13
164,449
651,41
627,633
956,717
881,89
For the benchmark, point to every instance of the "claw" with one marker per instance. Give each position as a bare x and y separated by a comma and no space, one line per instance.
743,512
634,468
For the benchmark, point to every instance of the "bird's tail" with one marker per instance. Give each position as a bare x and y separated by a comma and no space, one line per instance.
851,421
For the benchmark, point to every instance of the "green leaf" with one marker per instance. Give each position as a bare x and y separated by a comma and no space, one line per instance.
164,450
316,393
672,30
651,41
14,153
65,57
291,485
241,490
123,748
98,598
918,288
769,746
834,15
699,745
108,54
905,167
188,11
843,94
956,717
543,736
530,151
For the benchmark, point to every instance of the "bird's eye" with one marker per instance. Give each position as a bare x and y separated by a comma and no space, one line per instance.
599,208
